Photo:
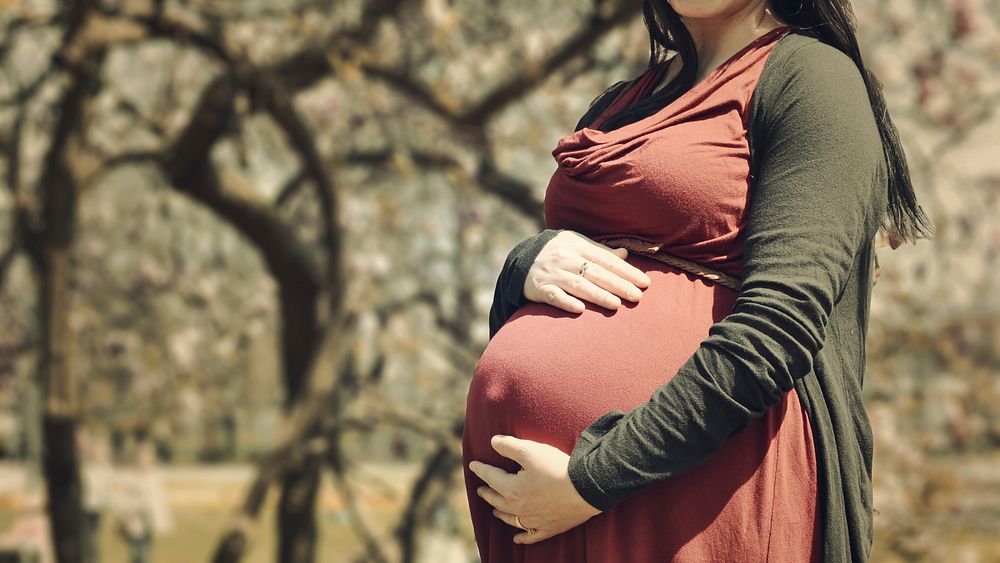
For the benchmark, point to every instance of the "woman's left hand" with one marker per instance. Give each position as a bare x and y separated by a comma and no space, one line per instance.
540,494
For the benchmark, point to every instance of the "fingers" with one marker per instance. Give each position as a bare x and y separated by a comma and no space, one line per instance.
511,448
506,518
557,296
524,537
611,277
592,286
608,279
569,291
613,260
528,539
495,499
498,479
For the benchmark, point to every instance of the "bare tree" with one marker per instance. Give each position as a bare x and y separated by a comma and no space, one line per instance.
396,199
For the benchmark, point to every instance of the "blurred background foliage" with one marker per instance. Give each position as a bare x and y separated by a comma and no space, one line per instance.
260,239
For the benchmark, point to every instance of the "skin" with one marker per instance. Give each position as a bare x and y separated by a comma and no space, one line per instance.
553,276
541,493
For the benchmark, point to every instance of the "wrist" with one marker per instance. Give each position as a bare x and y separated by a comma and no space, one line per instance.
586,487
523,256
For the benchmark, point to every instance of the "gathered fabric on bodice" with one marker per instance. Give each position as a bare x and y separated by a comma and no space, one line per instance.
679,177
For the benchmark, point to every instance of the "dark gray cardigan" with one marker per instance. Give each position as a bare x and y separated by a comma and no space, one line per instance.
818,196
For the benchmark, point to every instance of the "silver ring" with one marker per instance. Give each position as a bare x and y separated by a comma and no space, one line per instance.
583,268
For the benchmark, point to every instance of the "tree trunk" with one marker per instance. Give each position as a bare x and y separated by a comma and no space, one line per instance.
301,286
297,514
297,505
49,246
62,476
51,253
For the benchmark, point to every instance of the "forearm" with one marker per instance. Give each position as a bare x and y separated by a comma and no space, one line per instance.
735,375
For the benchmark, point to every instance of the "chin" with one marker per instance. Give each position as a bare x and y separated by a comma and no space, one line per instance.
708,9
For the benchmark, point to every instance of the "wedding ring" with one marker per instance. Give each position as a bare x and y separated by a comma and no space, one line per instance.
517,522
583,268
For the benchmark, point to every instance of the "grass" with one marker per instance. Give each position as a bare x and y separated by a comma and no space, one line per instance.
201,501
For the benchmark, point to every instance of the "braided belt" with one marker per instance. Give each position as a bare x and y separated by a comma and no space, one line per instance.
655,251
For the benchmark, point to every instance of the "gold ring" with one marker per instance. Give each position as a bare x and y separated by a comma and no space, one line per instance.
517,522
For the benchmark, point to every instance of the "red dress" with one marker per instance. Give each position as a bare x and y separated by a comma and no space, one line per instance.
681,177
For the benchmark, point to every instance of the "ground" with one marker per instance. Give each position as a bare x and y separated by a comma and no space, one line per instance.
965,519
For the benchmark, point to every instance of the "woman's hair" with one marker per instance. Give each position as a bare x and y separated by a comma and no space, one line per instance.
831,21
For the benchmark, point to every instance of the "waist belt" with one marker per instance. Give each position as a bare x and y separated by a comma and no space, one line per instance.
655,251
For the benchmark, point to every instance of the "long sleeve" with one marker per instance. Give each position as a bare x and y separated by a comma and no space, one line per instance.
819,169
509,293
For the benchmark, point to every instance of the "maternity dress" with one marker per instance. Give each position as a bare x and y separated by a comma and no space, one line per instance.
548,374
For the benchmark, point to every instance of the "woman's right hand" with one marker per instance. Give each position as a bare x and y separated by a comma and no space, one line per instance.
554,277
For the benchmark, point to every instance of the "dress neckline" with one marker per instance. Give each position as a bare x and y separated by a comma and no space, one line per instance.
656,72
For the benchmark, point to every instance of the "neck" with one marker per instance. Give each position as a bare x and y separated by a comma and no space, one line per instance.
718,38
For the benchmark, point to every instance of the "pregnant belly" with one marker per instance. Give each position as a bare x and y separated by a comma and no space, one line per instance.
547,373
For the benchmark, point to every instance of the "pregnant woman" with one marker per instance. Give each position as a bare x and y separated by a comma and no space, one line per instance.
715,415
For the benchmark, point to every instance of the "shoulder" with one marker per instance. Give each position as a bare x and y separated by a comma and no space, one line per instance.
800,51
808,81
812,96
803,68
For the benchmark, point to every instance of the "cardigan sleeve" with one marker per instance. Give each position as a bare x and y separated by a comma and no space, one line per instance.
820,163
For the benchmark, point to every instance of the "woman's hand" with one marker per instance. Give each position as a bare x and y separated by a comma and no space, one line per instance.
540,494
554,275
